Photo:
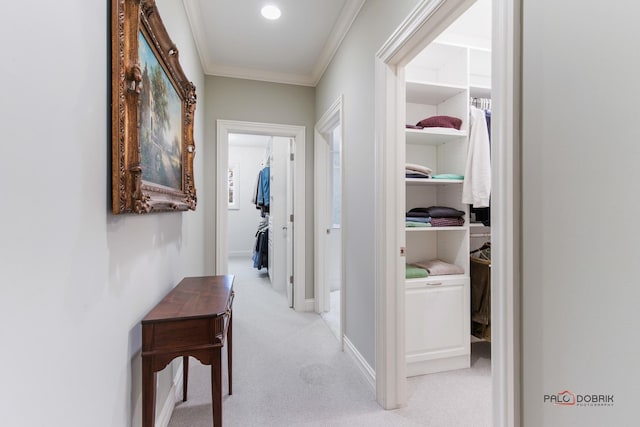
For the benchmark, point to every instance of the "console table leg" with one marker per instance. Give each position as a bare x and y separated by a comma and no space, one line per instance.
216,387
229,349
185,377
148,393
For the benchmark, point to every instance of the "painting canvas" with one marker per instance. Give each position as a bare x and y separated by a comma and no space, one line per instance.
152,113
160,122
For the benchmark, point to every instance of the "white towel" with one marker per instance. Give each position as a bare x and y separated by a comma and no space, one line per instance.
418,168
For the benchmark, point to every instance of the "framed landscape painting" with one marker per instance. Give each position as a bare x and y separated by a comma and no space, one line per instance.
153,105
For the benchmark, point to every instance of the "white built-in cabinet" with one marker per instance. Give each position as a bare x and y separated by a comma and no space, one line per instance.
440,81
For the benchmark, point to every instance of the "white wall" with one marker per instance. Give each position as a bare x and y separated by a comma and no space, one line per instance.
76,280
243,222
580,207
351,73
254,101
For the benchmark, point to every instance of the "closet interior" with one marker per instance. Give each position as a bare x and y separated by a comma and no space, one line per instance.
262,201
447,228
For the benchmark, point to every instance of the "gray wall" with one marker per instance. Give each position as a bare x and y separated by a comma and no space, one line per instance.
580,206
76,280
352,73
254,101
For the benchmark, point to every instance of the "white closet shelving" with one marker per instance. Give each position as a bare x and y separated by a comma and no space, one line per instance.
440,81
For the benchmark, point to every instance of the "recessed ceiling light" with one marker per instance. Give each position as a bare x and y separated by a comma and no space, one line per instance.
271,12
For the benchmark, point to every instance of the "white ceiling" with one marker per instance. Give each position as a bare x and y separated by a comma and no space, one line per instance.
234,40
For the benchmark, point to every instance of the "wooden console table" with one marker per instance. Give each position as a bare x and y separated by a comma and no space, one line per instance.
194,319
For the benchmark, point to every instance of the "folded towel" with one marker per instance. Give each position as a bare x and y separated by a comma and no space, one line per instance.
416,224
418,168
437,267
419,218
448,176
414,272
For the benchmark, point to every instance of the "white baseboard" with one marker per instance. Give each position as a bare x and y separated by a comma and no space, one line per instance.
367,371
175,394
309,304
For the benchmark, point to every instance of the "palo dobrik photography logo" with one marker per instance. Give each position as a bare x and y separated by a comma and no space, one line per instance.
568,398
564,398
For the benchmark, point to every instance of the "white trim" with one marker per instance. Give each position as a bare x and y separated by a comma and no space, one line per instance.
224,128
309,304
427,20
348,15
505,212
390,337
367,371
223,70
175,395
333,117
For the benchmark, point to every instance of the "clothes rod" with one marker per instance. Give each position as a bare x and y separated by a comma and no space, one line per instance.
480,234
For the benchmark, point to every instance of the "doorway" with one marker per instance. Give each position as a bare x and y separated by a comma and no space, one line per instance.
260,205
329,282
291,139
424,24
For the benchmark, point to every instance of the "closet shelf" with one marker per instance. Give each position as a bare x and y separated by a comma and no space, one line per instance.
477,225
434,229
479,91
431,93
421,181
433,136
448,278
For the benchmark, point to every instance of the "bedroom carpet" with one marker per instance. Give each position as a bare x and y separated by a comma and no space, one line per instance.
288,371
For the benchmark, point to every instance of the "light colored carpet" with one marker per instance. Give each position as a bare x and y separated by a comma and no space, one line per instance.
288,371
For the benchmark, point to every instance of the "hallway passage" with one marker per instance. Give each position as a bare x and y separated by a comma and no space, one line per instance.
288,371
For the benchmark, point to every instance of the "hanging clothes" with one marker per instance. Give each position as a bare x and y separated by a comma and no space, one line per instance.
476,189
262,193
261,247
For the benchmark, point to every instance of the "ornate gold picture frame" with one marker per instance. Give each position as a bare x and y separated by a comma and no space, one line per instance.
153,105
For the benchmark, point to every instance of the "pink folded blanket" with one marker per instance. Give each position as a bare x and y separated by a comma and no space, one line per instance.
437,267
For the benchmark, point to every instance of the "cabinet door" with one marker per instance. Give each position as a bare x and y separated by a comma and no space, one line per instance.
437,323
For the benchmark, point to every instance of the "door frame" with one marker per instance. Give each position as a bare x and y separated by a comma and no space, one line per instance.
423,25
329,120
224,128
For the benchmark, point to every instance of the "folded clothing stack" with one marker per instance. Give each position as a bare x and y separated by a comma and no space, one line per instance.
413,271
413,170
437,267
439,216
416,221
437,122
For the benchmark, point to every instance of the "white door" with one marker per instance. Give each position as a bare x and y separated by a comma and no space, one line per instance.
278,214
290,219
